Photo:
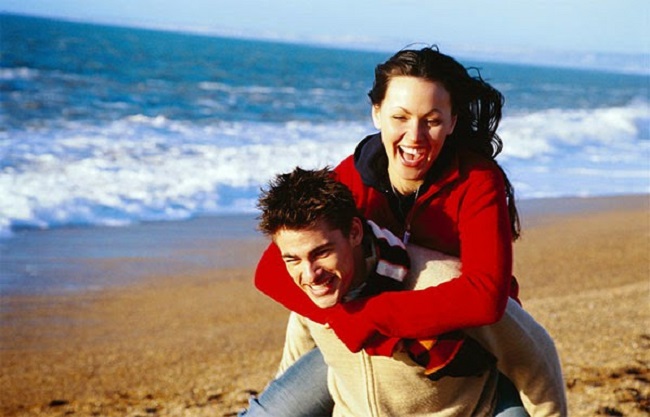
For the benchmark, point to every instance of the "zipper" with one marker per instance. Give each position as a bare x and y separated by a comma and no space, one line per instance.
409,217
407,234
371,394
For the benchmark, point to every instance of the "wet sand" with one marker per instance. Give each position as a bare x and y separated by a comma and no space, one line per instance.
198,340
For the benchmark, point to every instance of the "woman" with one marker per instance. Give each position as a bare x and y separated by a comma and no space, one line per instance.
429,176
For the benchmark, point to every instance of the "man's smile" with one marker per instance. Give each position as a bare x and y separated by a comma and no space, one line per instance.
323,287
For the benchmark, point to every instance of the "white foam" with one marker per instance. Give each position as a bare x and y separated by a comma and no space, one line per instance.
22,73
610,131
127,173
153,168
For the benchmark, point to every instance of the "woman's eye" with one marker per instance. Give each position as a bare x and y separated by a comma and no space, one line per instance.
400,118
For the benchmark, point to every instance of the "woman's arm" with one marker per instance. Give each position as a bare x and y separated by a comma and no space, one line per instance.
272,279
475,298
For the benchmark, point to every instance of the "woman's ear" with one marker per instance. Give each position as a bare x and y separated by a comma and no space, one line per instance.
454,119
376,116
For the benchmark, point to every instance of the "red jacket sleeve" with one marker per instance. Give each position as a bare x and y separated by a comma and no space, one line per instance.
477,297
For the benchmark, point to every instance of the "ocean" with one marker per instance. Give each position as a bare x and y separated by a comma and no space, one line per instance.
112,126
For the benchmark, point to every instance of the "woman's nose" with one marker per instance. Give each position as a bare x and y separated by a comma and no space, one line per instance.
415,131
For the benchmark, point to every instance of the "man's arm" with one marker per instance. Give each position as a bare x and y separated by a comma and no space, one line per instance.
298,341
525,352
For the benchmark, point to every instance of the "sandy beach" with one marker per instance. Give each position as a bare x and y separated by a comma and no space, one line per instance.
198,341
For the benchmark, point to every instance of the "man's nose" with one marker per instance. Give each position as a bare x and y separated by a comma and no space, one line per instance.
310,271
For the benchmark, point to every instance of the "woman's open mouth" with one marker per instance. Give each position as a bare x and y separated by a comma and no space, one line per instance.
410,156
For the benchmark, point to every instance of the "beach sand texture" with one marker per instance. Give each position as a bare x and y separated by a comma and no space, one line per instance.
199,343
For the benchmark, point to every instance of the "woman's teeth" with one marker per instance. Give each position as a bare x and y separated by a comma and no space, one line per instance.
412,155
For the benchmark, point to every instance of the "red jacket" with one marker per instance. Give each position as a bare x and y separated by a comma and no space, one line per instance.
462,212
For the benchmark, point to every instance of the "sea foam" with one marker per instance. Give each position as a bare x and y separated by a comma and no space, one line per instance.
152,168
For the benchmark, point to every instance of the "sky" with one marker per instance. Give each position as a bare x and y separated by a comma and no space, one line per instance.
571,28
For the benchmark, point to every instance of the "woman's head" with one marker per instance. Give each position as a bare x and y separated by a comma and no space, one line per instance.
428,64
475,103
424,101
415,118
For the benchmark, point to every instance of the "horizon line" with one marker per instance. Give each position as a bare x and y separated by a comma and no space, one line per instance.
633,63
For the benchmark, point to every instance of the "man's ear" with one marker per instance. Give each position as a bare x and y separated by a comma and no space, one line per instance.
356,231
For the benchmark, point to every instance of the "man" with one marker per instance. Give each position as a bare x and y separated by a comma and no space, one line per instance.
333,255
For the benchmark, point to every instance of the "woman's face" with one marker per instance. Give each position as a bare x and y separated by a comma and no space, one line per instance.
414,118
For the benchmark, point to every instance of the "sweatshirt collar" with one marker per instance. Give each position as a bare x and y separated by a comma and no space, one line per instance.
370,259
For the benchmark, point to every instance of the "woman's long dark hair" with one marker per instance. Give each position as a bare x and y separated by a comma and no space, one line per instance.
476,104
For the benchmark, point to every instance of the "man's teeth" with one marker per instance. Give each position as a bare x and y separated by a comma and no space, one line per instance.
320,286
319,290
317,287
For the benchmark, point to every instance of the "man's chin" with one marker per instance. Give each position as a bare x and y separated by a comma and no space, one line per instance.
326,301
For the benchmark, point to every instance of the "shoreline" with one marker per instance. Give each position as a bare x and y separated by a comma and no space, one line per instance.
77,259
198,341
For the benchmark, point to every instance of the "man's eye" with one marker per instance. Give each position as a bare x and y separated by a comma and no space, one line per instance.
433,122
322,254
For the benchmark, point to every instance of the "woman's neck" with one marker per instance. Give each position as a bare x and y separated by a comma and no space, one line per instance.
404,187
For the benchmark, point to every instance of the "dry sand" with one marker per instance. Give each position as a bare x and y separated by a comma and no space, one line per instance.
199,344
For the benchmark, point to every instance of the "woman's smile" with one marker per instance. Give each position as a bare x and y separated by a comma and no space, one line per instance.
412,156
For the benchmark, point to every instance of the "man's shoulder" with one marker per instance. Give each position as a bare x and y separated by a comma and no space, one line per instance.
429,267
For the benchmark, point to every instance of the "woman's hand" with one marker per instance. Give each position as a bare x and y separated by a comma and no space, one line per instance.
358,333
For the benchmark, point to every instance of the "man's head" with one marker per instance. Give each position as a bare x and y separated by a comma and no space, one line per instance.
313,220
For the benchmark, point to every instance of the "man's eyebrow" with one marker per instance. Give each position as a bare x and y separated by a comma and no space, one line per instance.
317,249
325,245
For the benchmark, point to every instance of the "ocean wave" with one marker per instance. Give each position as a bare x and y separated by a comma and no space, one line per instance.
255,89
19,73
609,132
144,168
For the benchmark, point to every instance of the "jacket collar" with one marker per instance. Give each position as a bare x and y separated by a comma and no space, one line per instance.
371,162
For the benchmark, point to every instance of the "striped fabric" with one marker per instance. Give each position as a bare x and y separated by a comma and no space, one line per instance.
392,264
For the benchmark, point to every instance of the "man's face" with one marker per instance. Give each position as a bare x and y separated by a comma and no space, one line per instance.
321,260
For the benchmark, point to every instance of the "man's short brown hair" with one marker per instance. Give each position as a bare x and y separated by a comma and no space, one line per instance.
300,199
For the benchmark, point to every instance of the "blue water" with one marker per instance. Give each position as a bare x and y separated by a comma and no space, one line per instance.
115,126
